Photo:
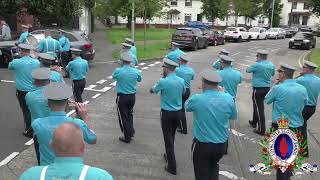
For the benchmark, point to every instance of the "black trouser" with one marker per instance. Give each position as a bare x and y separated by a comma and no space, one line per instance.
258,96
25,110
307,112
65,56
36,148
288,173
183,120
169,123
125,103
206,157
78,87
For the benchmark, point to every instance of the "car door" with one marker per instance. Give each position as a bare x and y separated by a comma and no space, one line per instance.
244,33
263,33
201,37
219,37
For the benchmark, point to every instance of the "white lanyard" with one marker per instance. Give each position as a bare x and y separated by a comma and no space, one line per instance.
54,46
82,175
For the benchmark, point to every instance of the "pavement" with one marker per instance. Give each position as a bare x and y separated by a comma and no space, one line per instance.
142,159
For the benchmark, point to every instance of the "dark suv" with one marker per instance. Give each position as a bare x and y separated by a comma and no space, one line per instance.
190,37
305,40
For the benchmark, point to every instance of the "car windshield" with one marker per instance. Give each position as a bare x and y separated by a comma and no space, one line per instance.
183,31
273,30
231,29
300,35
254,30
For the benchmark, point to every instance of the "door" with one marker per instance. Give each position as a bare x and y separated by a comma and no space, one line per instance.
305,20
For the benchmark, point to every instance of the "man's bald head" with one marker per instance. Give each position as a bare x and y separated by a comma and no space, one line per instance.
68,141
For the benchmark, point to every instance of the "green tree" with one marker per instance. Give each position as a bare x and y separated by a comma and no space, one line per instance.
267,11
213,9
315,5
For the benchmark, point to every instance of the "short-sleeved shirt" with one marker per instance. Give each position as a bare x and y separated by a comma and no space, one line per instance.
56,77
171,88
66,168
133,50
174,55
212,111
312,83
23,37
78,68
217,64
185,72
289,99
5,33
44,128
37,104
231,78
49,45
127,78
134,59
22,69
263,71
65,43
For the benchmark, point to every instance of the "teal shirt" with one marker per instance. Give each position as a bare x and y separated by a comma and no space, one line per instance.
49,45
44,128
263,71
186,73
56,77
133,50
37,104
66,168
23,37
22,69
312,83
212,111
217,64
65,43
78,68
231,78
134,59
127,78
174,55
289,99
171,88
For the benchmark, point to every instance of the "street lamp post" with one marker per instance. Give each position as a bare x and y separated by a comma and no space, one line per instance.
272,13
132,22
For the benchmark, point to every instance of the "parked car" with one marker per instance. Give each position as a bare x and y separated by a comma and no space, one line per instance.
305,29
190,38
236,34
77,40
276,33
214,37
291,31
8,51
316,31
304,40
258,33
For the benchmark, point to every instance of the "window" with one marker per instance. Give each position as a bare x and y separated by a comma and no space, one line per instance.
174,2
306,6
294,5
188,3
70,37
187,17
295,19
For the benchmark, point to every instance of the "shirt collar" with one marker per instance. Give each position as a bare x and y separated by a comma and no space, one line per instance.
77,58
289,81
68,160
228,67
171,74
48,37
211,91
57,113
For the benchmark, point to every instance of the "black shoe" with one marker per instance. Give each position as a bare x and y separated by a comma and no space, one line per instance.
165,157
253,125
125,140
182,131
171,171
258,132
28,133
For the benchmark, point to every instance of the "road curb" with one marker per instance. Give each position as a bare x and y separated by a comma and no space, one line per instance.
303,58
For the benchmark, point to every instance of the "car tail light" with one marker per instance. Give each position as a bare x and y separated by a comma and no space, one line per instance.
188,38
88,46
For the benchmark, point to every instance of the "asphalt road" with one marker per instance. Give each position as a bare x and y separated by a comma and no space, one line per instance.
243,143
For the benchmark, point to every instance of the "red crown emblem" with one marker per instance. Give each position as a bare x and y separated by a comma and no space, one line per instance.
283,123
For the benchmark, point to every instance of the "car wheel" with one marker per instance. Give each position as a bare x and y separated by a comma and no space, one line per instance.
223,42
314,45
5,58
239,39
249,38
290,47
258,38
195,47
205,45
309,46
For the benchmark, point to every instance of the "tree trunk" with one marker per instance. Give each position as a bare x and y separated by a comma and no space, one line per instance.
145,27
116,20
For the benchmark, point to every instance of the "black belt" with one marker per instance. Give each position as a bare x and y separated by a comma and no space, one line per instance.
121,94
310,106
78,80
197,141
162,110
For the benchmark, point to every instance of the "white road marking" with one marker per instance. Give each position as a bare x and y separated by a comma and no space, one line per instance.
105,89
101,81
157,62
109,77
140,71
29,142
141,64
136,66
229,175
145,68
90,87
236,54
86,102
243,64
9,158
236,133
8,81
249,61
150,65
95,96
114,83
71,112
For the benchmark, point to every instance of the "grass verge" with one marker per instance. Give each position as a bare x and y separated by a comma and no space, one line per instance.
153,50
315,57
117,35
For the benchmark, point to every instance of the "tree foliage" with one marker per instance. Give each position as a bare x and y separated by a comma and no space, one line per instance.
267,11
315,5
214,9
